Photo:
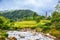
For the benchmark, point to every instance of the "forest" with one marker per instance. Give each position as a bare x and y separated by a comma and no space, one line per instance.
20,19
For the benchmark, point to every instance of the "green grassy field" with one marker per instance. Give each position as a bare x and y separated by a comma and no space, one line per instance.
25,24
29,23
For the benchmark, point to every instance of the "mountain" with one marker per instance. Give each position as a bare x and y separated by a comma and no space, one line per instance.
18,14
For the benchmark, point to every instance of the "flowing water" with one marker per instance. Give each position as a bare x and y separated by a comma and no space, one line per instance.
27,35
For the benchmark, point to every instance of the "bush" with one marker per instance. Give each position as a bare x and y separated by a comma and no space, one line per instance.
2,38
45,28
38,29
3,33
55,33
34,27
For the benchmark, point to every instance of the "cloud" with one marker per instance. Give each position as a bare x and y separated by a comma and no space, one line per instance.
35,5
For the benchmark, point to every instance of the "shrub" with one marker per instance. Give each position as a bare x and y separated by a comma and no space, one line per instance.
55,33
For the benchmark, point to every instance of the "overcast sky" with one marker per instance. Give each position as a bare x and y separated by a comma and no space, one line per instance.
40,6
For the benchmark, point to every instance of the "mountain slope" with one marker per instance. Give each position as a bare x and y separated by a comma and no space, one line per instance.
18,14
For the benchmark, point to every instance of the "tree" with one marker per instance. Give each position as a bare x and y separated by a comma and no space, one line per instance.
4,23
36,17
56,20
49,17
58,6
56,16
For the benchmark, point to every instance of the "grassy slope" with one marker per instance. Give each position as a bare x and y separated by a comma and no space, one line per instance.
29,23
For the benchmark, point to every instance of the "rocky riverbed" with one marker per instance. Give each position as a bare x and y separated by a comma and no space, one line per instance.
28,35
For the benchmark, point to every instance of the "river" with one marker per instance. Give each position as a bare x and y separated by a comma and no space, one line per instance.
19,35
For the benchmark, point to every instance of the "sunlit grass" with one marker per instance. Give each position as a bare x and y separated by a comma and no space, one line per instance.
25,24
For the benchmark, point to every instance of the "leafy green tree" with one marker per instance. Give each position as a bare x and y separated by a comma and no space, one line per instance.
4,23
56,19
58,6
55,16
49,17
34,15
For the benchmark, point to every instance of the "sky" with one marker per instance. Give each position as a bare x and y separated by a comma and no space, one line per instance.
39,6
